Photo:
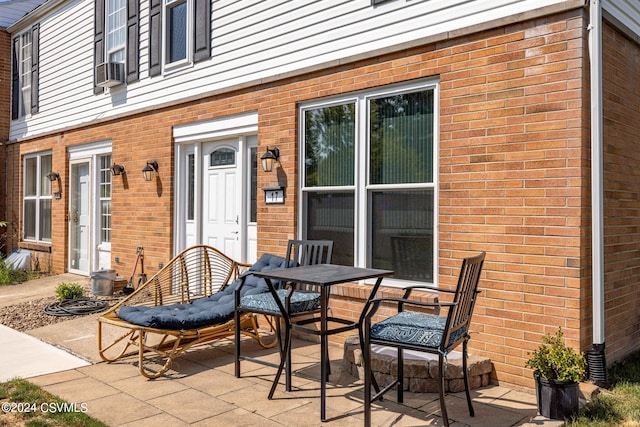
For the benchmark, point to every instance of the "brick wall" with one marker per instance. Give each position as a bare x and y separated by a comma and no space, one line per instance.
5,118
621,157
513,178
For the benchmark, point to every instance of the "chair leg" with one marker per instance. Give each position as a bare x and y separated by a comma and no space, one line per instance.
237,343
466,377
284,352
287,353
443,407
368,376
400,375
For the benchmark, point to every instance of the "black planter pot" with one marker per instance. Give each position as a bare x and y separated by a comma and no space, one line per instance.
557,400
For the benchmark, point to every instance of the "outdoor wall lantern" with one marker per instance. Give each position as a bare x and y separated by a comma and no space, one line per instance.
117,169
55,176
147,171
268,158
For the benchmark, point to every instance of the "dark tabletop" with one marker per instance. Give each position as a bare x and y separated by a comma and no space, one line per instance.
323,274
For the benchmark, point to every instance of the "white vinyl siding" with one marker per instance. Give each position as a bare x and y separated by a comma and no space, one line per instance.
252,42
627,13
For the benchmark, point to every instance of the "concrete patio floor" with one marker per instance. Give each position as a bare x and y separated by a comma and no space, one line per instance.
201,388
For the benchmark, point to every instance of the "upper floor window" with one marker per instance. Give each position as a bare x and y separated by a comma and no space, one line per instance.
368,185
36,217
179,33
176,30
115,40
25,73
116,29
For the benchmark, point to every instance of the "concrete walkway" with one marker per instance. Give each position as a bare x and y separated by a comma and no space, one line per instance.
201,388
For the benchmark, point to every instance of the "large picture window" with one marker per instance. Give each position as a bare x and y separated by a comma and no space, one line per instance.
369,168
37,198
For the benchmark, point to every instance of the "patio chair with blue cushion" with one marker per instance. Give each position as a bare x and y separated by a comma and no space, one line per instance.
189,301
289,301
414,330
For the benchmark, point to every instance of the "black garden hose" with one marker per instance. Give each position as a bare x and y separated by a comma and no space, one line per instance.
75,307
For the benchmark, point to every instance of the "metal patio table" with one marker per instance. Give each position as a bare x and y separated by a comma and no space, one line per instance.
323,276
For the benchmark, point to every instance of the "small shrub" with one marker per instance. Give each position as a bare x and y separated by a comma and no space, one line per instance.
553,360
69,291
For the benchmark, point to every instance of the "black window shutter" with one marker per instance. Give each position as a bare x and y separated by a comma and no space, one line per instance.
98,42
202,30
155,37
133,51
15,81
35,68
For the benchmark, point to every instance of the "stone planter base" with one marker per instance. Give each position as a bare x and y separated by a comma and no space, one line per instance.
421,375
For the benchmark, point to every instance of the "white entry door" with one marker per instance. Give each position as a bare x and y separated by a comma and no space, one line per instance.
79,217
222,197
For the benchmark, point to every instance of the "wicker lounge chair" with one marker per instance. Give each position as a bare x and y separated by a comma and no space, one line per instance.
188,302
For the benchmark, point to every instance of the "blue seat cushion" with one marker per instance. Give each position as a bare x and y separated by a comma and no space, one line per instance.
212,310
407,327
265,303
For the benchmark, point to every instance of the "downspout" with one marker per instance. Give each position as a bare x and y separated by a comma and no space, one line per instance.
596,356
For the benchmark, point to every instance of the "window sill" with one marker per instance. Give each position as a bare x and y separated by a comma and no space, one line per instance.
35,246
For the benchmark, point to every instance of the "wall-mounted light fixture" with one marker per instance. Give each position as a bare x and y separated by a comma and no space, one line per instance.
55,176
117,169
147,171
52,176
268,158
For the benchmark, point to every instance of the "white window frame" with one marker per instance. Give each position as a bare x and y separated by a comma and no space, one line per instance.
118,52
361,187
167,5
104,187
43,192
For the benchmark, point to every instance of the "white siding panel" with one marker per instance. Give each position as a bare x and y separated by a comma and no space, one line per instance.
626,12
252,42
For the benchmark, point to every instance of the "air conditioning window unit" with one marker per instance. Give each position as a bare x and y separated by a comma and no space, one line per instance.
109,74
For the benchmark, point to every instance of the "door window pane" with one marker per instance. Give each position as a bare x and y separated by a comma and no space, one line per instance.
253,204
105,198
191,186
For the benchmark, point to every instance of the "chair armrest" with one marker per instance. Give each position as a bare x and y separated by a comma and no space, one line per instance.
429,288
378,301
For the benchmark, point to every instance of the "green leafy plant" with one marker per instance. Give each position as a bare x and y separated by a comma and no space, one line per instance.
66,290
553,360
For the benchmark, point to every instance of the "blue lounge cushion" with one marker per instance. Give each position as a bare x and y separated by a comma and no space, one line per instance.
407,327
214,309
265,303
